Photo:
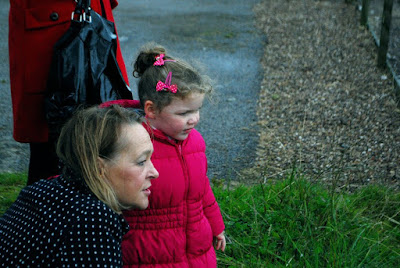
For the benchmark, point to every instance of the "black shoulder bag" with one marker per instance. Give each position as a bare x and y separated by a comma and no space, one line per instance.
84,69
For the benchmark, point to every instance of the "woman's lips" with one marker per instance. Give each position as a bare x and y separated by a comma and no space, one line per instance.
147,191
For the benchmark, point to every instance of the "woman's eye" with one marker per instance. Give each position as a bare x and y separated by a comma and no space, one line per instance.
141,163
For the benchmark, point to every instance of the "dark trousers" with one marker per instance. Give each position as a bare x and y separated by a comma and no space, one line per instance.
43,161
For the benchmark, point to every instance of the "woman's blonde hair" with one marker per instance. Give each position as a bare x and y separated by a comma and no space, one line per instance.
91,134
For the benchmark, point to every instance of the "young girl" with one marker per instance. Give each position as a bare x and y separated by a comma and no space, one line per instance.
183,220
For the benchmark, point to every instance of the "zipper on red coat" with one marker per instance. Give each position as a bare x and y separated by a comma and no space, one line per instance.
184,168
183,162
186,174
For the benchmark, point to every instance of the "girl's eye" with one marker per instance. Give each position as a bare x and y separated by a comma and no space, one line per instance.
188,112
184,113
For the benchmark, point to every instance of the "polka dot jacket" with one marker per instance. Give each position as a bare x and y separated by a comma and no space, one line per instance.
60,223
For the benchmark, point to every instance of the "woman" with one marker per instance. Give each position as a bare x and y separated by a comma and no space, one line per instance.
34,28
76,217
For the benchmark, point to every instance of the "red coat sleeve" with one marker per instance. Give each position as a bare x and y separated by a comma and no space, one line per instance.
212,210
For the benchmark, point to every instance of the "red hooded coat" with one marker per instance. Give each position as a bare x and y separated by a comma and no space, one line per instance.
34,27
183,216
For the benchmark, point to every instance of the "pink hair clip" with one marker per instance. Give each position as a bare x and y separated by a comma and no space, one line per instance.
160,60
167,85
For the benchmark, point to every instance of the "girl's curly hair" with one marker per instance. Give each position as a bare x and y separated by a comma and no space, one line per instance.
185,76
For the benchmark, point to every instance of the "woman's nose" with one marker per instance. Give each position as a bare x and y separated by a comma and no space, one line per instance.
153,172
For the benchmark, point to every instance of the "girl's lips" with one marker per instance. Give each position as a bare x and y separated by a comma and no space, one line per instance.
187,130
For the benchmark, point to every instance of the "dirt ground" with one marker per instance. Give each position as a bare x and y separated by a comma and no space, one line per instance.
324,106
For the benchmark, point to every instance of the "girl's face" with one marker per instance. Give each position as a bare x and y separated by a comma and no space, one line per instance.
131,171
179,118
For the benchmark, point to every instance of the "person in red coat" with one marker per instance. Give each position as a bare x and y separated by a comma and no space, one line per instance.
34,27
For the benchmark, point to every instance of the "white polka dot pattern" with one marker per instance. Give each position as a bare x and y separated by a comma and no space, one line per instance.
57,223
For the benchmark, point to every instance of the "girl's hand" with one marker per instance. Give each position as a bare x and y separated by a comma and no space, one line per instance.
220,242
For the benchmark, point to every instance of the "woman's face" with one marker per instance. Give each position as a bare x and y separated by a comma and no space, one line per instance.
131,171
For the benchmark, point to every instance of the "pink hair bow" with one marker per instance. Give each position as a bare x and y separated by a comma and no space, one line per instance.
160,60
166,86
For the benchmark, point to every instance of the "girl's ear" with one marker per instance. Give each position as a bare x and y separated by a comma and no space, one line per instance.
150,109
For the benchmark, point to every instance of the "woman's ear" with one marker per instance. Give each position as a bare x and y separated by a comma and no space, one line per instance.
102,165
150,109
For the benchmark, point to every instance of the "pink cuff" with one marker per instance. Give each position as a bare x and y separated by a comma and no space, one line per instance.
123,103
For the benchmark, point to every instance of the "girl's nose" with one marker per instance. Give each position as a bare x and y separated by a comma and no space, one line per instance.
194,119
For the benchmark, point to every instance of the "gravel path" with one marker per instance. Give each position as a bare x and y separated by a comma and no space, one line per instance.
324,106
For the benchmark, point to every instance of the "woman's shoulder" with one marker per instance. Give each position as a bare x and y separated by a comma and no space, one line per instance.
57,190
60,198
63,219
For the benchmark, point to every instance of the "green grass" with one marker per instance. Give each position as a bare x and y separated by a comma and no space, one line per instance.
295,223
299,224
10,186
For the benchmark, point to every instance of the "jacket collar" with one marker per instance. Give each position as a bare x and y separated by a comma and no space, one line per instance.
159,135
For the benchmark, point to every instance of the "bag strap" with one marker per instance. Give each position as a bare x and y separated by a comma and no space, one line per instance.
83,3
82,11
103,10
